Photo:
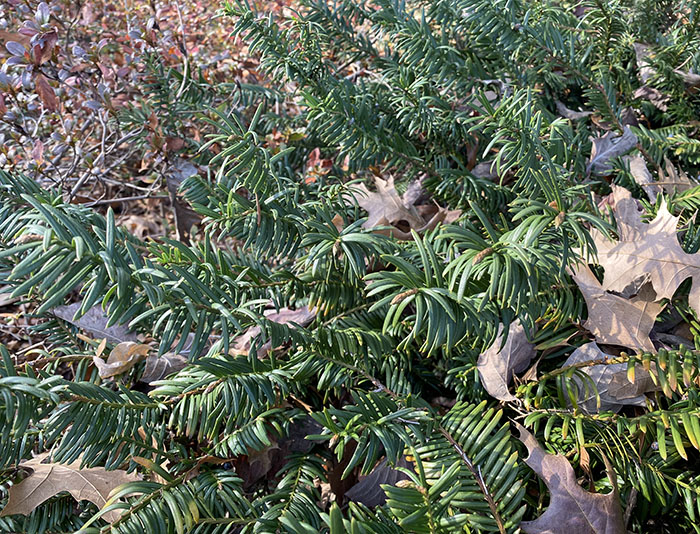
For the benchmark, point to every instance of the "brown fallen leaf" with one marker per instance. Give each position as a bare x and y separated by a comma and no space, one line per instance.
301,316
122,358
609,146
48,479
185,217
654,252
386,208
499,363
646,71
570,113
94,322
616,320
641,175
657,98
611,383
141,226
674,181
386,204
368,490
572,510
641,52
628,214
158,367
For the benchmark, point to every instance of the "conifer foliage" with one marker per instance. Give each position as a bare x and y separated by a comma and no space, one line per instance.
444,281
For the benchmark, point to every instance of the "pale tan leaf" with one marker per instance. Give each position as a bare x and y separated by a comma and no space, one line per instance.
656,253
689,78
627,213
572,510
616,320
611,383
46,480
122,358
646,71
610,146
499,363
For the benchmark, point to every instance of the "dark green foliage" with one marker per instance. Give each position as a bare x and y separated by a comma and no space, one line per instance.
436,87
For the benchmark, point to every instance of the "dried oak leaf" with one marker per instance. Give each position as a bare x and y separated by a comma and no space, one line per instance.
614,388
616,320
499,362
93,484
122,358
674,181
609,146
649,250
94,322
572,510
386,208
670,180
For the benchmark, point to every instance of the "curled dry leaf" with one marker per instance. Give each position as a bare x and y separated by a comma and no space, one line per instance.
609,146
572,510
94,322
616,320
649,250
48,479
499,363
122,358
614,388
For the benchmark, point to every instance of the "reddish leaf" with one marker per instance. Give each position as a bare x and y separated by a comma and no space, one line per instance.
49,41
45,92
174,143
